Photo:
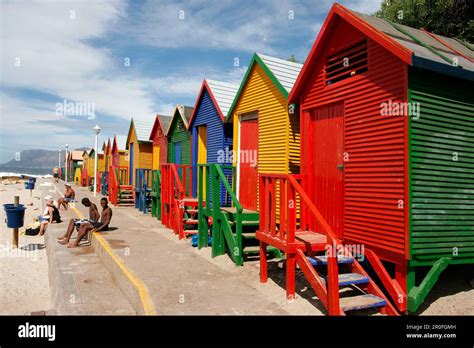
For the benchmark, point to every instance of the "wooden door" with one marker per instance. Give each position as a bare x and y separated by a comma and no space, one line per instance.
131,164
328,166
248,160
156,157
202,153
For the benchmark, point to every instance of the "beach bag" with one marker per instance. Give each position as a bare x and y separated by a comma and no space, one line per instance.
32,231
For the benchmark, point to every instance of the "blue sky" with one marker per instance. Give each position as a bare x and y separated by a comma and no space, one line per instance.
76,51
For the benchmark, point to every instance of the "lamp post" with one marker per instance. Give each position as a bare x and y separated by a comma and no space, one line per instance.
97,131
59,160
65,165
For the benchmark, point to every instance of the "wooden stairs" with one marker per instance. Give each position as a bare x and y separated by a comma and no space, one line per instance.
356,290
334,273
125,197
236,234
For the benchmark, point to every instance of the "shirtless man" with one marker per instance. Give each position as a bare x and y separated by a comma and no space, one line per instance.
69,195
88,227
93,217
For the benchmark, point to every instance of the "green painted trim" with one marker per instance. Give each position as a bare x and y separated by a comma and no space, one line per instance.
456,261
464,43
259,61
417,294
434,51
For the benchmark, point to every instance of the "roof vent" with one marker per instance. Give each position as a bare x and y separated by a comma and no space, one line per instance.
351,61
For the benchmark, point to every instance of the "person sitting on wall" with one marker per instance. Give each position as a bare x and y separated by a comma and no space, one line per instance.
89,227
93,218
56,174
50,215
69,195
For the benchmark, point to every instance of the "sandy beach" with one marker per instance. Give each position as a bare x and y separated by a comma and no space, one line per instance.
24,284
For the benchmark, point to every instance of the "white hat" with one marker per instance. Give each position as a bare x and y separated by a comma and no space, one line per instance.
48,198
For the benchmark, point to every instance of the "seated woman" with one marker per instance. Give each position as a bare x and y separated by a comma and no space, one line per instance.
50,215
69,195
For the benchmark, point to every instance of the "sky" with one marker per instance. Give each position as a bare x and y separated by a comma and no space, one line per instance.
69,65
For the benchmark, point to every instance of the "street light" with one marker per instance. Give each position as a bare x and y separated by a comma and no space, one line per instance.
66,164
97,131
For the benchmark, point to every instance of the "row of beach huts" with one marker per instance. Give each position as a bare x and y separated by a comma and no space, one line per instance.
356,167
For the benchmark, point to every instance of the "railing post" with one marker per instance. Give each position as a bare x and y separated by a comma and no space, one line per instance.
203,228
283,207
263,203
217,242
290,237
332,279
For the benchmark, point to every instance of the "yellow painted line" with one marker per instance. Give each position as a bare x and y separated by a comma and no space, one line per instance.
145,298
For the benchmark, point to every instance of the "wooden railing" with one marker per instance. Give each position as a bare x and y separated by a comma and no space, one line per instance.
118,176
175,186
142,187
156,194
287,188
216,183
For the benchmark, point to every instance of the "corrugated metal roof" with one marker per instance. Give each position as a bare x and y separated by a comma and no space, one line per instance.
187,112
224,93
143,130
410,41
121,142
285,71
165,121
77,155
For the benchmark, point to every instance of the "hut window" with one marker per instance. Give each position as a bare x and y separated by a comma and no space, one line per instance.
180,126
347,63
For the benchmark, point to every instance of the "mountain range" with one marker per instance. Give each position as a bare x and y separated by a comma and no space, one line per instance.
36,159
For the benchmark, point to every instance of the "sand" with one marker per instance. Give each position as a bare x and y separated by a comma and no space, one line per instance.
24,284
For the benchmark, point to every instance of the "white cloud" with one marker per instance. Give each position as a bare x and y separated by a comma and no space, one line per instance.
56,56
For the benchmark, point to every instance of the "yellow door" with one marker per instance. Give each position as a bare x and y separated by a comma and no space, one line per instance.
202,152
156,157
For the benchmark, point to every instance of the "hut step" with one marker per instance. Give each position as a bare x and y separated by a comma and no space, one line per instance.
256,249
323,260
361,302
346,279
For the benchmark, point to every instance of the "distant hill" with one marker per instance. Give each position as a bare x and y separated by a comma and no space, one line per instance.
36,159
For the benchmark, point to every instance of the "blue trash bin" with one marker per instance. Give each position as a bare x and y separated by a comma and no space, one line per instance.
29,185
32,180
194,240
15,215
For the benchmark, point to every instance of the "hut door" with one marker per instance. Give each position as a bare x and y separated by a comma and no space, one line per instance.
202,153
156,157
177,153
248,177
327,167
131,164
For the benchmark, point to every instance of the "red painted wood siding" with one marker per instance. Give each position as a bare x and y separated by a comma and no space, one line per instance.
374,175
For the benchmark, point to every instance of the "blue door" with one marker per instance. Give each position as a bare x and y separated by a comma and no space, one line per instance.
177,156
177,153
131,164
